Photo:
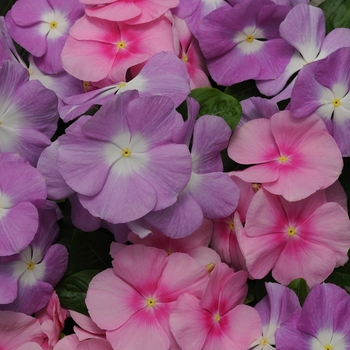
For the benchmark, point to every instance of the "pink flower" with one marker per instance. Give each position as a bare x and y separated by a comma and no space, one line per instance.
305,239
141,289
52,318
128,11
218,320
17,330
195,245
112,47
294,157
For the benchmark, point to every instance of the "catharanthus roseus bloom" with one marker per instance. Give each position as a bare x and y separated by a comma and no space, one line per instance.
322,323
163,74
113,47
191,55
195,245
52,318
275,308
322,87
22,190
210,193
28,113
41,27
240,42
304,29
27,279
19,331
304,239
122,161
218,320
130,12
293,157
142,288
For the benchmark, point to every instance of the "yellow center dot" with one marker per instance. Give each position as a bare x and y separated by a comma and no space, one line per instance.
210,267
86,85
231,225
256,187
121,45
336,102
30,265
151,302
126,152
216,317
249,38
328,347
122,84
282,159
53,24
291,231
264,341
184,57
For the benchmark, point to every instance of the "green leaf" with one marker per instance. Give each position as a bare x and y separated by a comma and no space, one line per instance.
300,288
214,102
89,250
337,13
340,276
243,90
72,290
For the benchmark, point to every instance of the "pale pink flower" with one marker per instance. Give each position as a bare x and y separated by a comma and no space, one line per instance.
195,245
128,11
304,239
141,289
112,47
17,330
218,320
294,157
52,318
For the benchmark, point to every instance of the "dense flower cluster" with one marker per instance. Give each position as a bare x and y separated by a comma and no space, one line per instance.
134,183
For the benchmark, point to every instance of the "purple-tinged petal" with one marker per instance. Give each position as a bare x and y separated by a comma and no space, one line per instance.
30,298
18,226
57,187
8,283
22,183
257,107
321,309
216,193
56,261
279,304
336,39
81,160
272,87
116,204
81,217
31,39
304,29
211,135
179,220
176,165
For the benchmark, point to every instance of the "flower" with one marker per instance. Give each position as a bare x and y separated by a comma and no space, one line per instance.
304,239
322,323
294,157
41,27
240,43
141,289
27,279
122,161
113,47
218,320
322,87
